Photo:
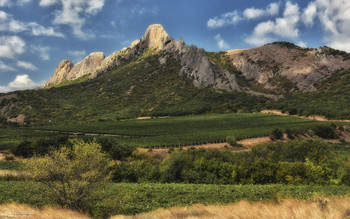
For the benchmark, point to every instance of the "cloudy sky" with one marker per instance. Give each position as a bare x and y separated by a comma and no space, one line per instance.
35,35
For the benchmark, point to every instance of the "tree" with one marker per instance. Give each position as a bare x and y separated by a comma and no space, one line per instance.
231,140
71,174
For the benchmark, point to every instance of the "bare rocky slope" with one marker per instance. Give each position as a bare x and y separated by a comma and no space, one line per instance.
270,64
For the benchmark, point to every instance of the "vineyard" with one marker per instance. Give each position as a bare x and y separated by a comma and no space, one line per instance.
189,130
126,198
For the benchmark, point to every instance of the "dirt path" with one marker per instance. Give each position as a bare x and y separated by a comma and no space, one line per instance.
246,145
317,118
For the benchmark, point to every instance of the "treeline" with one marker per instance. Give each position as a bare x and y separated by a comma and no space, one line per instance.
295,162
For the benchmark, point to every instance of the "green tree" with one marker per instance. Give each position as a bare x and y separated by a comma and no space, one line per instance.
72,174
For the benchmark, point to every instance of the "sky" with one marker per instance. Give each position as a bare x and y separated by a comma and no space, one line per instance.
35,35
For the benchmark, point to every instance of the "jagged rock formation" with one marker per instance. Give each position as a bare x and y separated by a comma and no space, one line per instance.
61,72
303,67
194,62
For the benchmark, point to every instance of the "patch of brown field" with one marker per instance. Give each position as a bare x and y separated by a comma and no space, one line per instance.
244,145
287,209
27,212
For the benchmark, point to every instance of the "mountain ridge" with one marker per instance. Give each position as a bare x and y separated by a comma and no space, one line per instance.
159,76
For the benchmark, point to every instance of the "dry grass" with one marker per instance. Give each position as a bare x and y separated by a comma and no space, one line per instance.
24,211
287,209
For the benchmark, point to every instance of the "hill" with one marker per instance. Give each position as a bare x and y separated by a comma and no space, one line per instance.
159,76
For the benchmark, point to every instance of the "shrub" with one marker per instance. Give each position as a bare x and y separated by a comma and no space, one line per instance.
328,132
9,158
276,134
114,149
71,174
231,140
24,149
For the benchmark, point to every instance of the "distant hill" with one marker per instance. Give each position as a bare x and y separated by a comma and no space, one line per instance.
159,76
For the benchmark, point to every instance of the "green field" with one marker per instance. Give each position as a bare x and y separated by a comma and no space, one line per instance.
190,130
135,198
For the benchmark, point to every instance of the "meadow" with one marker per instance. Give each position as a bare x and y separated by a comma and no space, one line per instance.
188,130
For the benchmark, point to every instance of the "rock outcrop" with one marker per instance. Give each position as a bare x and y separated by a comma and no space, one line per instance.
194,62
61,73
303,67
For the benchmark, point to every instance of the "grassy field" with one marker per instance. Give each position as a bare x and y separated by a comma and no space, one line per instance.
136,198
190,130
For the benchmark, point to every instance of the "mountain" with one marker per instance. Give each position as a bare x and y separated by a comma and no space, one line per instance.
194,62
159,76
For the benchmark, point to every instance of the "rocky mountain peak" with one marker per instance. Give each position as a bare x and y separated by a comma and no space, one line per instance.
156,37
61,72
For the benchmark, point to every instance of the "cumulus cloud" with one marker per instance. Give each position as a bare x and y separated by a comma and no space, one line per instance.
253,13
21,82
283,27
9,24
74,13
221,42
228,18
334,16
309,14
26,65
11,46
233,17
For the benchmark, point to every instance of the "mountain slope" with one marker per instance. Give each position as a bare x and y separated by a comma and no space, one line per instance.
159,76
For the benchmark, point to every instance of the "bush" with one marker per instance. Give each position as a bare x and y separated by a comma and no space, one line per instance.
24,149
328,132
71,174
276,134
231,140
114,149
9,158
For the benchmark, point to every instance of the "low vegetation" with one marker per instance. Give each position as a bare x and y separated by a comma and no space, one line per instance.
190,130
336,208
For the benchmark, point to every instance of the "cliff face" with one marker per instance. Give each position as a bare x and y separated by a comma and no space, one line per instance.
303,67
61,73
194,62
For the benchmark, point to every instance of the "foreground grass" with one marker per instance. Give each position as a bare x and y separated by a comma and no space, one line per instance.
336,208
137,198
190,130
24,211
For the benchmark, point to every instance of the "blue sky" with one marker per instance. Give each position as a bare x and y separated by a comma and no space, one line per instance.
35,35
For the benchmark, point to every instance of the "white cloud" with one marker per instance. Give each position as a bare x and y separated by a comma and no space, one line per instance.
334,16
10,3
228,18
22,82
283,27
253,13
301,44
6,67
74,13
273,9
309,14
43,52
26,65
9,24
221,42
11,46
4,3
